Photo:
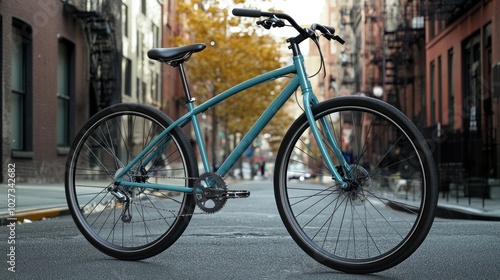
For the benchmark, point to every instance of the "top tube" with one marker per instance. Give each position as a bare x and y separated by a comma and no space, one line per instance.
189,116
301,79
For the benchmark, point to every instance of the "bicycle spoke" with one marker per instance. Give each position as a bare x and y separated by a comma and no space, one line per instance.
129,222
380,214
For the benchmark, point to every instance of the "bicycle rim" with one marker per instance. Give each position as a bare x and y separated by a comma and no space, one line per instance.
152,219
382,218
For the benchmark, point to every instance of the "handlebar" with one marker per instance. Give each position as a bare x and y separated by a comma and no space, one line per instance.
323,28
257,13
327,31
249,13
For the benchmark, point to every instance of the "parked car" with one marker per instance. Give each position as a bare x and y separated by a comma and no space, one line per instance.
298,171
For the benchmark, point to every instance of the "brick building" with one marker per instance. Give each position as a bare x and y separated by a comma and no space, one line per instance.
64,60
437,62
44,60
463,77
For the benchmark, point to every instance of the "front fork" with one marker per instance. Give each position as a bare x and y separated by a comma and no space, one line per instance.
326,134
310,101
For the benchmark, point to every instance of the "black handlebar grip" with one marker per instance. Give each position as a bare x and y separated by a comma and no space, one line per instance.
247,12
340,40
331,29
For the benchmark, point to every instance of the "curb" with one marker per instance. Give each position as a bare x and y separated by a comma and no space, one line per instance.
33,215
449,212
464,214
445,212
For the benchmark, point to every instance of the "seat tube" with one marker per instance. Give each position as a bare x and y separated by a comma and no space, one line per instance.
199,138
194,120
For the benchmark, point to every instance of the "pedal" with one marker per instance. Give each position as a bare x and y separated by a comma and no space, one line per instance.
237,194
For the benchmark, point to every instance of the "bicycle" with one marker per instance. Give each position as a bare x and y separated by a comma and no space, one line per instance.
132,181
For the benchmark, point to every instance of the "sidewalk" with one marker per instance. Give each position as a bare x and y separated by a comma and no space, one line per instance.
32,202
37,201
472,208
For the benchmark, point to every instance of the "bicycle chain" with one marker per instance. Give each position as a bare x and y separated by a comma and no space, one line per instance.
167,210
168,177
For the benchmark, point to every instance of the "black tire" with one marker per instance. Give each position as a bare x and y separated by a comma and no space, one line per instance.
107,143
385,215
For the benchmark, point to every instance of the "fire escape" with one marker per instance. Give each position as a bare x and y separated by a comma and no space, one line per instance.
372,49
348,56
98,20
404,37
350,61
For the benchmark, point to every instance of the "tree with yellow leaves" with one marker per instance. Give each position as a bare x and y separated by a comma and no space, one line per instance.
237,50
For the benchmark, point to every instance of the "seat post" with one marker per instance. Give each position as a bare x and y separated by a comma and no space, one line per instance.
187,93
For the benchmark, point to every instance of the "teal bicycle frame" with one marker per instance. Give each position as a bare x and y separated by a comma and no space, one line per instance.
309,100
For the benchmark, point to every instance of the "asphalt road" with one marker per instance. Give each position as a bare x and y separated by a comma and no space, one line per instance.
245,240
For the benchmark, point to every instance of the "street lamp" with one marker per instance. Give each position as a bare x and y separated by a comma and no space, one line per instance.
378,91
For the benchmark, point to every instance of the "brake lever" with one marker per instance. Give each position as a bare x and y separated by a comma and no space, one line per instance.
264,24
271,22
335,38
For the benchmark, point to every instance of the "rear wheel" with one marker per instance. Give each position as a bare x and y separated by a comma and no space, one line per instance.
129,223
387,211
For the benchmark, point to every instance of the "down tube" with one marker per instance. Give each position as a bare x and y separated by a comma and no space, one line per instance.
188,117
259,126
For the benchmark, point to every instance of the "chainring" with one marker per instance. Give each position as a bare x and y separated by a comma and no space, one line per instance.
210,192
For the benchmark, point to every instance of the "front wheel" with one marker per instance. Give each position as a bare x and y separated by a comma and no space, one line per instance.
130,223
387,211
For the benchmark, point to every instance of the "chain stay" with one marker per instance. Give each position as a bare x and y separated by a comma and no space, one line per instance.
172,211
166,210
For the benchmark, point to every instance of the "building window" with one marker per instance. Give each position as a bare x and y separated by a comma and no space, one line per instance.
125,19
155,88
440,23
472,81
432,26
156,37
126,76
451,98
488,63
21,107
65,76
433,92
440,90
143,7
144,91
138,85
139,46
